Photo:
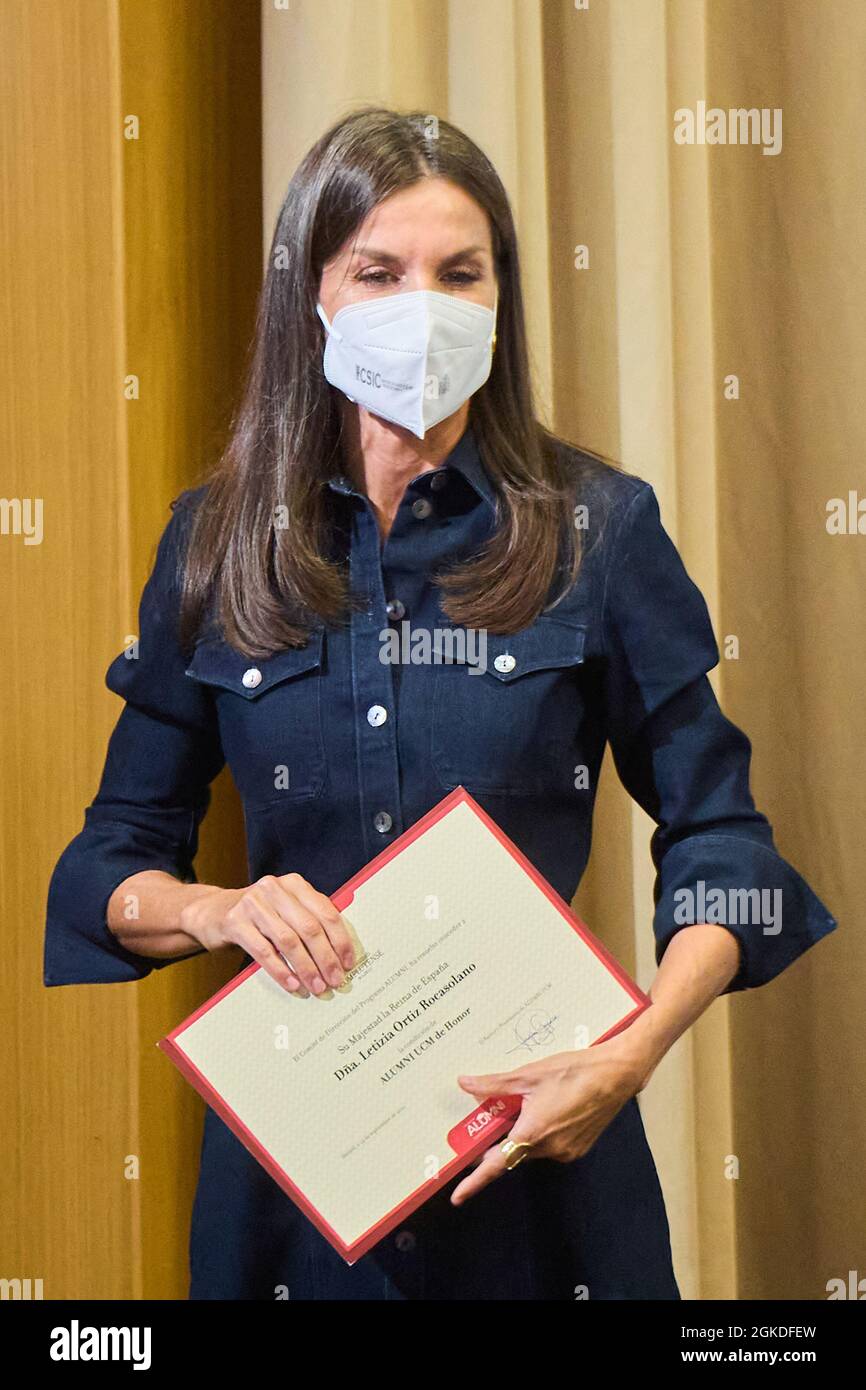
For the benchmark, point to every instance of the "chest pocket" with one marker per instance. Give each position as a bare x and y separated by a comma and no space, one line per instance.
508,719
270,718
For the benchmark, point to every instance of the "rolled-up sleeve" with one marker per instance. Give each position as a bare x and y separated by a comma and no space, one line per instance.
687,765
155,788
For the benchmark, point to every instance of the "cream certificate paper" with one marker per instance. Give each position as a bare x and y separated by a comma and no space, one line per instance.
471,964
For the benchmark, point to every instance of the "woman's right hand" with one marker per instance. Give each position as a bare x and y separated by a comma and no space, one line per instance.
275,917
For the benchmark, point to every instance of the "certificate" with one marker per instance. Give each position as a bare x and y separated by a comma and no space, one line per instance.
467,961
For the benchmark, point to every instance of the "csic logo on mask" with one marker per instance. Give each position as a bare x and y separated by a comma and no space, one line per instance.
367,377
435,386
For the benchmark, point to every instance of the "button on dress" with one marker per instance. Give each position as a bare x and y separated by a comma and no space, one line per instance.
336,752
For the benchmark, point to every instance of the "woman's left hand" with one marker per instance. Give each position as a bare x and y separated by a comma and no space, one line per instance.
568,1099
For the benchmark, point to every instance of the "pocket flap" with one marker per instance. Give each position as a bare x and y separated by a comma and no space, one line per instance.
547,643
216,663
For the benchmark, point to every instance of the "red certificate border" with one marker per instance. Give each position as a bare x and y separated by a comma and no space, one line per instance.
494,1126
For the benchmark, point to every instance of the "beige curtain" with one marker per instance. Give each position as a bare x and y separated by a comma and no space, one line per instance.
706,262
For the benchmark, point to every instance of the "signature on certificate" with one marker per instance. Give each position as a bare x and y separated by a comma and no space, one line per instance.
534,1030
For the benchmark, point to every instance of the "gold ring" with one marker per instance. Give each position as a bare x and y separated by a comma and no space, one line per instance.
510,1146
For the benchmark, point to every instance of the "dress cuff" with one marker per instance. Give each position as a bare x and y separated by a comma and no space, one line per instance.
79,947
746,886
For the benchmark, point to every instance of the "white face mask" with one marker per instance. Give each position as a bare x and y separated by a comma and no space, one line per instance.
412,358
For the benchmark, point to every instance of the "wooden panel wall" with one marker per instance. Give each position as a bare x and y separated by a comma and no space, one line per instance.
139,257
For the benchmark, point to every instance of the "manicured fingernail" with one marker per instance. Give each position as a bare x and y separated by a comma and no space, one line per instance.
319,985
293,984
336,977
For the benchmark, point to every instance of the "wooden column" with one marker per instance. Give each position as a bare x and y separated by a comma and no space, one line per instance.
128,257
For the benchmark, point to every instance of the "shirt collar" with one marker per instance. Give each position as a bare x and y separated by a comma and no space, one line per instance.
464,457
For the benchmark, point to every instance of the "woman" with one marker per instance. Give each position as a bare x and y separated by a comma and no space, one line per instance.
386,468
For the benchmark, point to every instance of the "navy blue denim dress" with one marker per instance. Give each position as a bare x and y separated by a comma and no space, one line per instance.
621,659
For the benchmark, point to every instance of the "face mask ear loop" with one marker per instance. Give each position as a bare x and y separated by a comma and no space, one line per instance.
332,332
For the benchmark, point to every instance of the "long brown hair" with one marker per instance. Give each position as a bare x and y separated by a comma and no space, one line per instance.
268,583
